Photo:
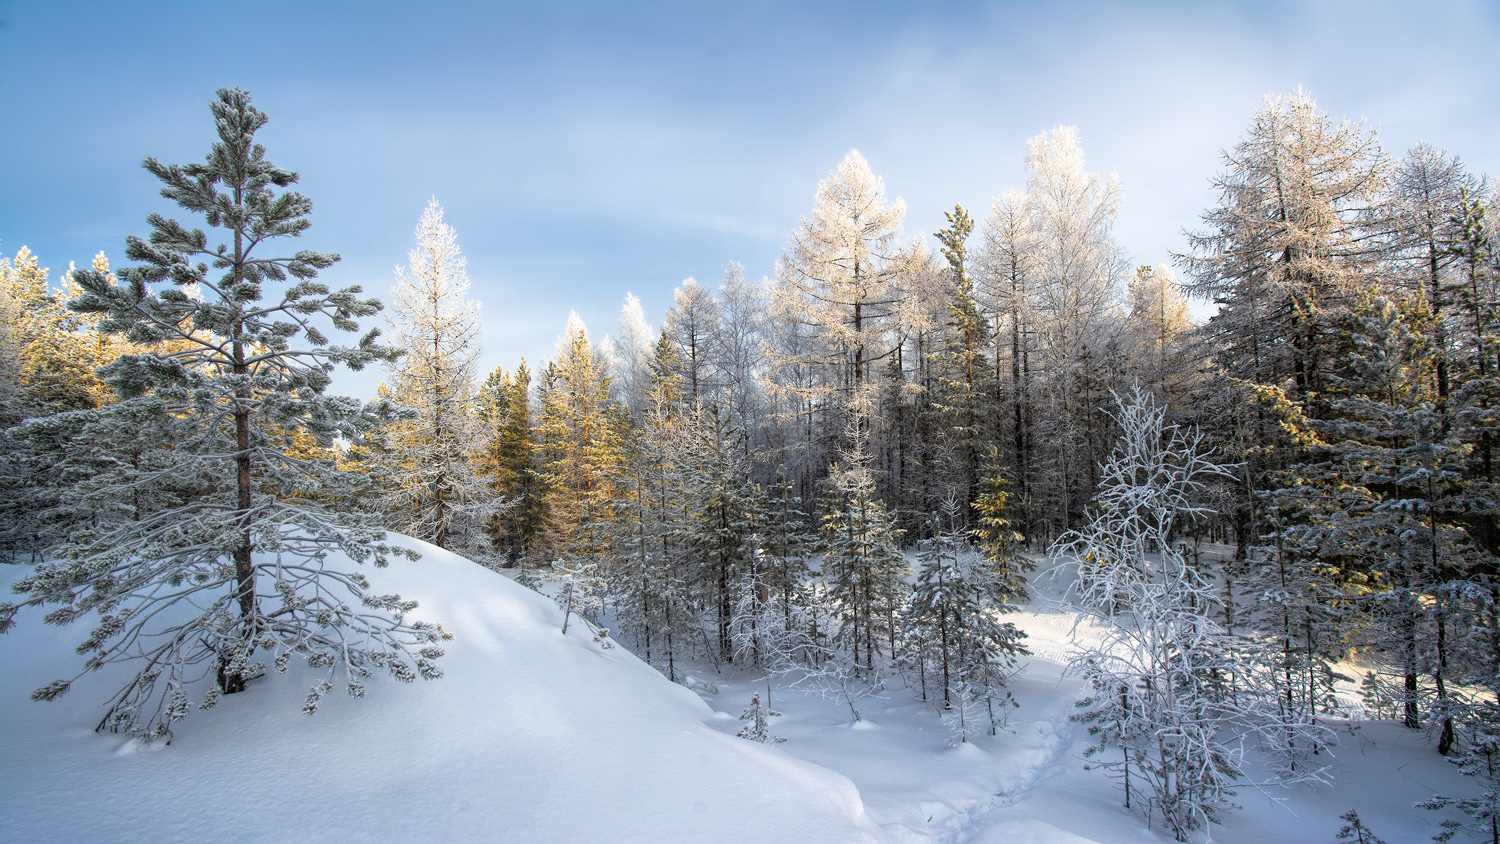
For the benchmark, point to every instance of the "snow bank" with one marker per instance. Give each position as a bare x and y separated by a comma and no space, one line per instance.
530,736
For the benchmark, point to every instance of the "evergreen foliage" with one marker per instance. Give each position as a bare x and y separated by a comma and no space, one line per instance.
208,545
952,625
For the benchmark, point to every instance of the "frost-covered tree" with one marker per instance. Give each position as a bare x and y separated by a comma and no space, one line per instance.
841,278
1428,187
1169,685
633,347
1006,275
1147,489
1079,271
759,728
718,527
650,580
1157,323
1290,235
740,343
216,550
693,323
1295,229
951,622
430,462
863,568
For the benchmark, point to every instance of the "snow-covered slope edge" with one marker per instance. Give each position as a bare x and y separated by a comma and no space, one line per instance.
530,736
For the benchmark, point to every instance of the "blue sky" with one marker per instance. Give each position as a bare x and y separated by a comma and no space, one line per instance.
581,150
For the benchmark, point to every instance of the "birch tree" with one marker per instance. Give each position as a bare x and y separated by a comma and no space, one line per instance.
1169,685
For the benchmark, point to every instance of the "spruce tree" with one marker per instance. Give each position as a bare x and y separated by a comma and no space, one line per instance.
964,376
863,568
951,618
508,444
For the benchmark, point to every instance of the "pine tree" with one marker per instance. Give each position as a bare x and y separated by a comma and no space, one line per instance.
192,566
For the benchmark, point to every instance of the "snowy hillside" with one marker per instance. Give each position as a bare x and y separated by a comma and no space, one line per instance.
530,736
536,737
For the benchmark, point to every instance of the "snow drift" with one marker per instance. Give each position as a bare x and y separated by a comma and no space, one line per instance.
530,736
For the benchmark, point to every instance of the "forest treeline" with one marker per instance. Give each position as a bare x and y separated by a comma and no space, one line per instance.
955,395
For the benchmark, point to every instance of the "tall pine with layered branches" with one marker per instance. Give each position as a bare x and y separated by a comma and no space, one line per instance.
217,550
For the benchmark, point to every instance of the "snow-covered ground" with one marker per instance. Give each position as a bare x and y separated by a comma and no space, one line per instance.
1030,784
533,736
530,736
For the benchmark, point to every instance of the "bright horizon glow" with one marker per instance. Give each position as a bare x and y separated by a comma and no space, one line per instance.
591,149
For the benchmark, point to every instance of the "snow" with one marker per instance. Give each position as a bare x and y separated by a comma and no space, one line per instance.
1030,784
533,736
530,736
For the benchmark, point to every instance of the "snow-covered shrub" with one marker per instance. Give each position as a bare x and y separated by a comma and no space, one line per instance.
1169,686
